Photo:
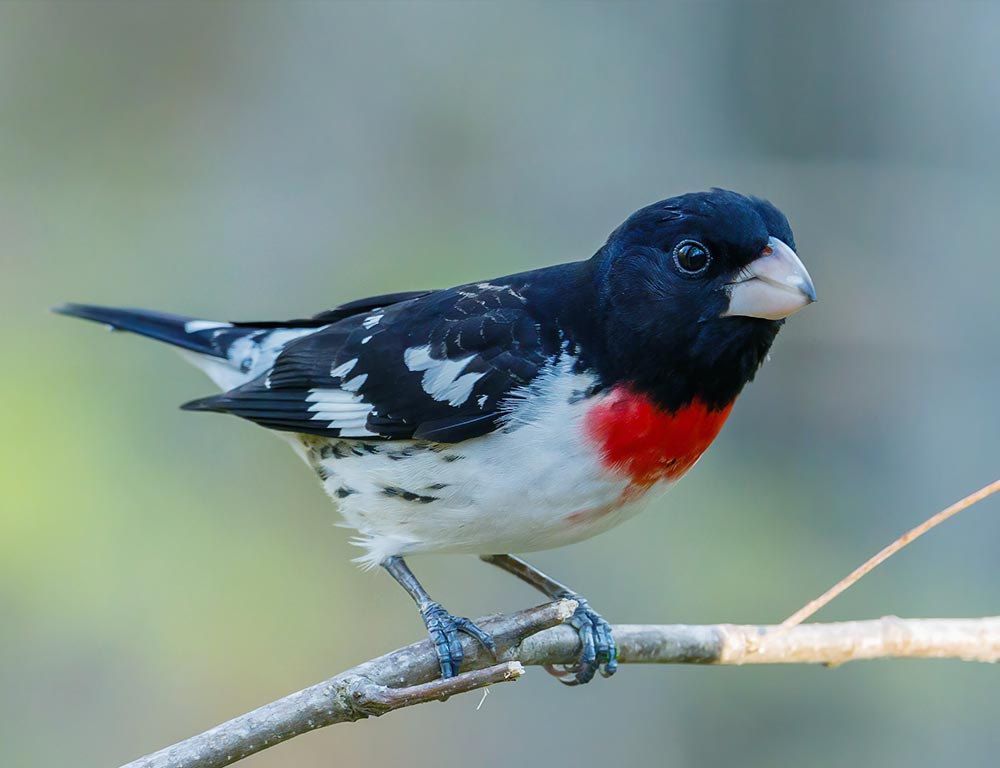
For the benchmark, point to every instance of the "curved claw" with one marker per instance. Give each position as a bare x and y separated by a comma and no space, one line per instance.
598,650
444,628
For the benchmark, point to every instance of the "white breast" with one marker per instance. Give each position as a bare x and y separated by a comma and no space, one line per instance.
535,483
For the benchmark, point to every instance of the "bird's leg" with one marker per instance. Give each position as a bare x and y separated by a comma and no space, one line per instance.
596,641
442,627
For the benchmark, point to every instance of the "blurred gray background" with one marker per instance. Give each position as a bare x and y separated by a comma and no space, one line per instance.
163,571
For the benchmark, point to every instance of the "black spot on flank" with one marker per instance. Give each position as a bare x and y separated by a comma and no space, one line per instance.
334,450
370,447
450,457
357,451
437,486
407,495
400,455
426,445
343,492
246,364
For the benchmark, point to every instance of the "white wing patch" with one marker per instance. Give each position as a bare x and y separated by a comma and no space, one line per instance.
342,370
193,326
340,410
442,379
354,384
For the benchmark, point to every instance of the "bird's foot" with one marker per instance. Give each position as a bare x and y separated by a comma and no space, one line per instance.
597,646
444,629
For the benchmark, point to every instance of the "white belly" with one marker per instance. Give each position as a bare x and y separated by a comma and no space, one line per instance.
536,483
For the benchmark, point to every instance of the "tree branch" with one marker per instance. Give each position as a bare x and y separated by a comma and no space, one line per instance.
534,637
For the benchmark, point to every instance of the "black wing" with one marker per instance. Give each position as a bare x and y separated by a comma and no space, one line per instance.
434,367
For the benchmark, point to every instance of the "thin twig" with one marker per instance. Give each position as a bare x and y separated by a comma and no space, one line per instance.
377,699
407,676
915,533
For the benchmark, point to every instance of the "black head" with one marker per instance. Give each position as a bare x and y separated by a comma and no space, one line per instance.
691,293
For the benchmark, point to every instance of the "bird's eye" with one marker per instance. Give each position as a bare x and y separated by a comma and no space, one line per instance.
691,257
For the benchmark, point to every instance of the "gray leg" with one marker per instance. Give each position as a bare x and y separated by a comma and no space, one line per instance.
442,627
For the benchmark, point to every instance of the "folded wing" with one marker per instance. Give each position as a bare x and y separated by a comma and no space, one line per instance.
436,367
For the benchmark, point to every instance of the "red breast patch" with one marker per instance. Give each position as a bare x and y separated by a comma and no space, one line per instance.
647,444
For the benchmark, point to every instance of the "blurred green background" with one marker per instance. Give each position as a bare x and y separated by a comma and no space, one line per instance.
163,571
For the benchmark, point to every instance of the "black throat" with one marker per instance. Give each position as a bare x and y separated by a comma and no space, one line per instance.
665,355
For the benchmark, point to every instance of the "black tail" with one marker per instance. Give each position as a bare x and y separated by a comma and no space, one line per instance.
206,337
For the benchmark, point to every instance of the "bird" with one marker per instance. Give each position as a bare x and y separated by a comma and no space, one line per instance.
519,413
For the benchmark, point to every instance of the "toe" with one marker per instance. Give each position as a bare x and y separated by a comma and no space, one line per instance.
597,646
607,650
445,631
444,635
455,652
484,638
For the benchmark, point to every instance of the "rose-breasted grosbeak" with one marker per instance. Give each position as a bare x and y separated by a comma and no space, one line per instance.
520,413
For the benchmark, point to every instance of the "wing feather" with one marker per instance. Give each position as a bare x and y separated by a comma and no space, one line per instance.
432,366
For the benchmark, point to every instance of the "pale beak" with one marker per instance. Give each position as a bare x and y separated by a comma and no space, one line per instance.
773,286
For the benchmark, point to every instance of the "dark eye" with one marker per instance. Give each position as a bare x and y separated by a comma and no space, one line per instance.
691,257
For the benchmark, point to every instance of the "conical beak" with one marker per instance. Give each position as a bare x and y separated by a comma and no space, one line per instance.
773,286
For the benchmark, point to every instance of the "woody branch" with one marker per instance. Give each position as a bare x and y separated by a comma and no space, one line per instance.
408,676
